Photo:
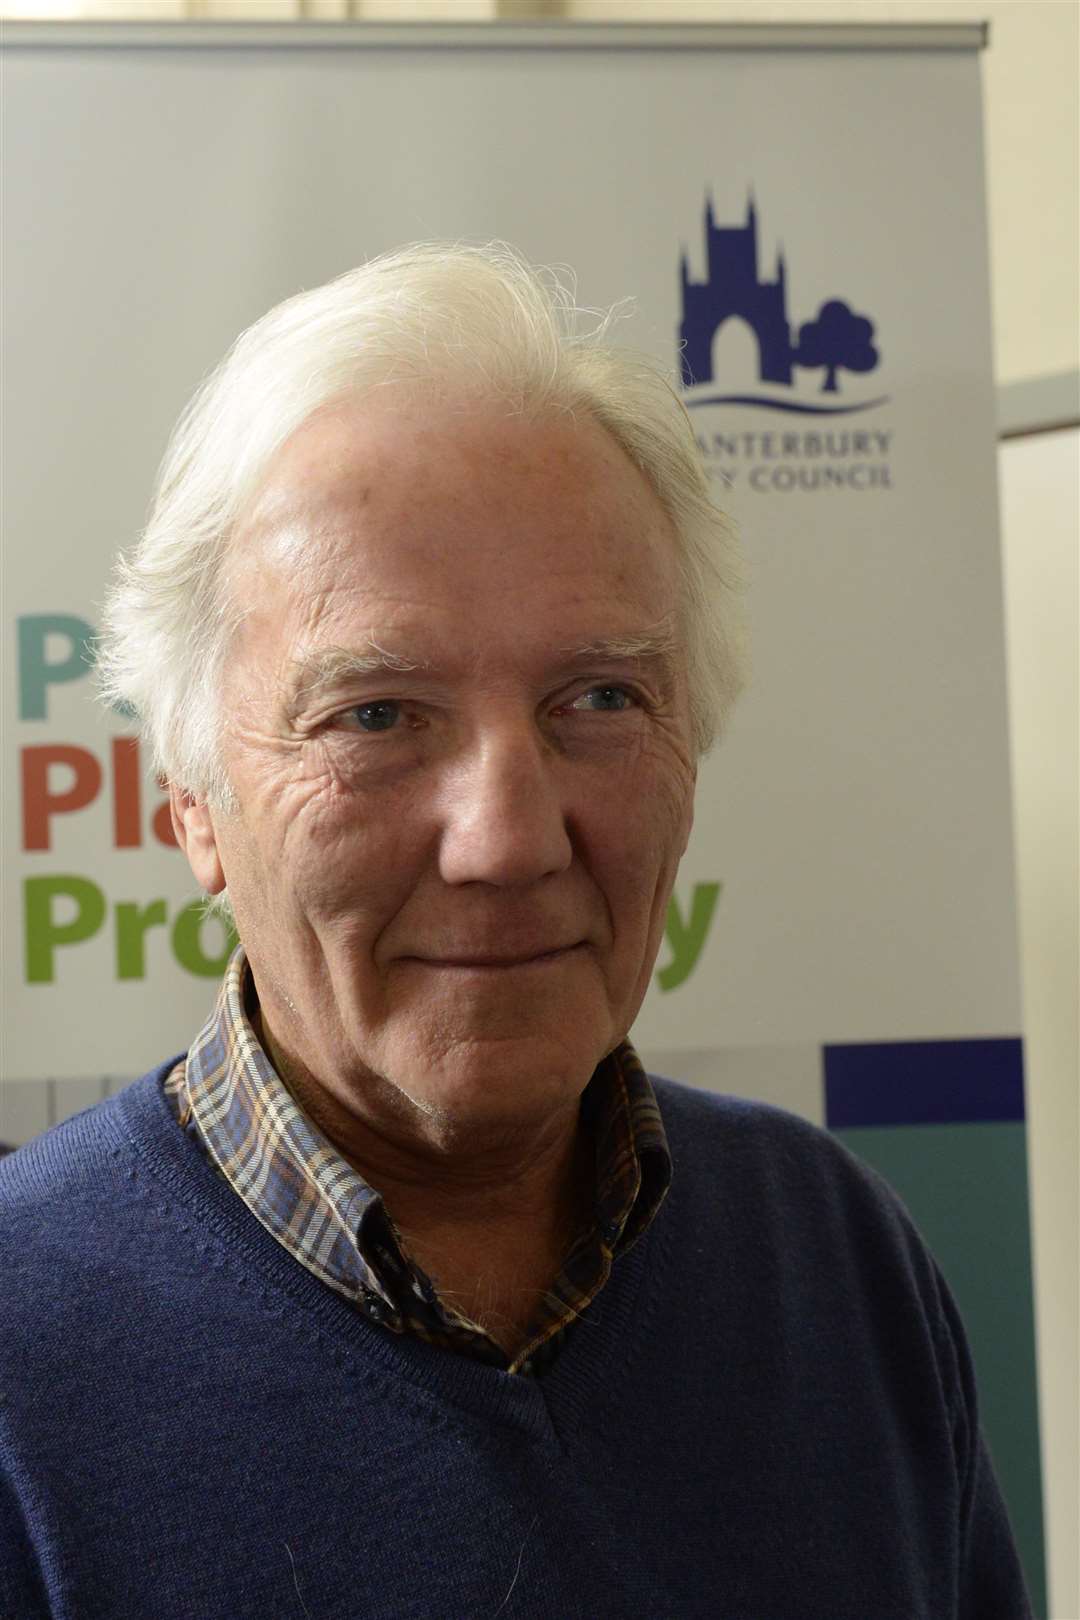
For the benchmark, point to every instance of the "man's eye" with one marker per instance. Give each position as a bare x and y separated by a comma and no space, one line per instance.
604,697
376,716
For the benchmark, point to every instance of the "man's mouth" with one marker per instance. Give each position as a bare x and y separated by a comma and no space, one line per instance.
495,961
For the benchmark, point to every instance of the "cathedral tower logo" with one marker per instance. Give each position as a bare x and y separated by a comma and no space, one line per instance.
801,371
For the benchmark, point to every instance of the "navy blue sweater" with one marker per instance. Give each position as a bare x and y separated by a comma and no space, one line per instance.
768,1414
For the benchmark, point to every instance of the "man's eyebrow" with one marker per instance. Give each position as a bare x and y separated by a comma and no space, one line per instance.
659,644
308,677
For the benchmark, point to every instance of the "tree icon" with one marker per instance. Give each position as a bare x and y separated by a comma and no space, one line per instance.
838,337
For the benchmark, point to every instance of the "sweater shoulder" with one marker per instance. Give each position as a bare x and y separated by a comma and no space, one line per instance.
747,1156
754,1174
693,1115
76,1162
75,1221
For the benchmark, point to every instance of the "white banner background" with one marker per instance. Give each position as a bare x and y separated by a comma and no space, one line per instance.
857,817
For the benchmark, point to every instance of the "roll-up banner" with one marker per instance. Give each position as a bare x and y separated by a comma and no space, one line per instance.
800,216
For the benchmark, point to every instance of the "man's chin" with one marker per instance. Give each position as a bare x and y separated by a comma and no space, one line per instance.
505,1083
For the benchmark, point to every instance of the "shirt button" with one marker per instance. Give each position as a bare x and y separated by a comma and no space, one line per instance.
375,1309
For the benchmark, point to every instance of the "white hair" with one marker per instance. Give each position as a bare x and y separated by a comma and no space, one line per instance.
477,320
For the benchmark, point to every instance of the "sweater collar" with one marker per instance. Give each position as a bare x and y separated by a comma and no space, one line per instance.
322,1210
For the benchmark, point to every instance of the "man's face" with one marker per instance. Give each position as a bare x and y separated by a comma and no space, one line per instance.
451,873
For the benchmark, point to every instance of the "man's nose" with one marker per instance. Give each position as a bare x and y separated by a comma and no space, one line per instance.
505,815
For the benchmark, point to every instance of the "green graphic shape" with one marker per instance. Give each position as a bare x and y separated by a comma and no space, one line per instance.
687,939
43,934
966,1188
132,922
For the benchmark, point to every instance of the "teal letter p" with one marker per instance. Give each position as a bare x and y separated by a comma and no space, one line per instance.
37,672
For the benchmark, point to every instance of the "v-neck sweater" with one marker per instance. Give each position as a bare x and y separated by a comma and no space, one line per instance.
768,1413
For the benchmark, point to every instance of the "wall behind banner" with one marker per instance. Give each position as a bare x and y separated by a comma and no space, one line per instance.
81,794
1040,477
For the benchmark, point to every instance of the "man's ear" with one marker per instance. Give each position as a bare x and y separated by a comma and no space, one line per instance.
195,834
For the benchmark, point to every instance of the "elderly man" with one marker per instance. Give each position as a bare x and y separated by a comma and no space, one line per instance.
405,1292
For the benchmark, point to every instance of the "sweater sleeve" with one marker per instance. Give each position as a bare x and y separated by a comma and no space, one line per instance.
990,1581
22,1593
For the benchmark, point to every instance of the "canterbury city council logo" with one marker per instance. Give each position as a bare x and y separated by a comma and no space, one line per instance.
737,344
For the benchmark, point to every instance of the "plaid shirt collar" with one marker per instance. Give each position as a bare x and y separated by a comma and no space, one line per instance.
228,1096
